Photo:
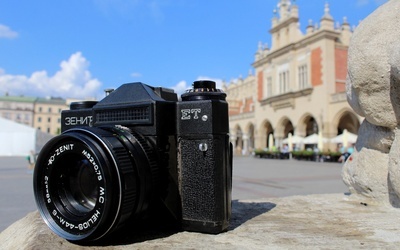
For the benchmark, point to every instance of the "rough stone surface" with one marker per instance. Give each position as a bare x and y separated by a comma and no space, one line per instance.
363,177
375,137
373,66
333,221
394,171
366,171
373,91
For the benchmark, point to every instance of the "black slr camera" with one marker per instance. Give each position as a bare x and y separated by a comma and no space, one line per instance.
137,153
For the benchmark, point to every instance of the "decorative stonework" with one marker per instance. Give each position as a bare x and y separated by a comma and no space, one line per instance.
298,78
373,91
286,100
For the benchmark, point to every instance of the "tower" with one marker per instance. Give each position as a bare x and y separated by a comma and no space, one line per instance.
285,27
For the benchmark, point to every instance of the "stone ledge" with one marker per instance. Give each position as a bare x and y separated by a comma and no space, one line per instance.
315,221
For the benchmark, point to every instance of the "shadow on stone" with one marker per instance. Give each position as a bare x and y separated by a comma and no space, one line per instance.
156,226
141,233
151,230
32,233
245,211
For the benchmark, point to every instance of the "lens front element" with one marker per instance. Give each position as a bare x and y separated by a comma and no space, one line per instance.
78,184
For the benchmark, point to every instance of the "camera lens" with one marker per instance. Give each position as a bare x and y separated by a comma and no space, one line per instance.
89,181
78,184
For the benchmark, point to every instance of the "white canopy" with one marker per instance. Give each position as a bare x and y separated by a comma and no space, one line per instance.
313,139
295,139
19,140
345,137
16,139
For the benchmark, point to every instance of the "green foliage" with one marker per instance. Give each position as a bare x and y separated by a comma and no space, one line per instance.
299,155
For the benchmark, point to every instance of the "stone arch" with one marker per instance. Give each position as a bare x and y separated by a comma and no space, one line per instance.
346,119
237,139
250,135
307,125
284,127
264,131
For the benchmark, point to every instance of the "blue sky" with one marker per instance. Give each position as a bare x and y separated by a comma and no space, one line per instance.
77,48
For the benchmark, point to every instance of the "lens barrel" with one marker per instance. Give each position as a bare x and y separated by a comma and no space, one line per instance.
89,181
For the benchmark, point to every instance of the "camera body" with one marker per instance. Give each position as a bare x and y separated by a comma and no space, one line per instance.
138,152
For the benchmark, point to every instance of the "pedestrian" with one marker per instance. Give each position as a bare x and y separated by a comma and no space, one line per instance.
31,160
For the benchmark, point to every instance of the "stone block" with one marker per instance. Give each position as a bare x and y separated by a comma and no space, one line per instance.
373,67
373,91
366,174
394,170
333,221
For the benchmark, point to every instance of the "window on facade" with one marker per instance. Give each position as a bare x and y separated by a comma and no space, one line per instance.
283,82
40,109
49,119
303,77
48,130
49,110
269,87
39,119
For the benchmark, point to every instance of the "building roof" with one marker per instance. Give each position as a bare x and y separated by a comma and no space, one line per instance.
17,99
51,100
27,99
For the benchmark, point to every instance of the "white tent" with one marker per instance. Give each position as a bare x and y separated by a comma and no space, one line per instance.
345,137
314,138
18,140
295,139
270,141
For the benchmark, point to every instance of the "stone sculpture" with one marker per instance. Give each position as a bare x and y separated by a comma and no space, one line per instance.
372,173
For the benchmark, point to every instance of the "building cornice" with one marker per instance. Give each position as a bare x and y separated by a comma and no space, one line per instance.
319,35
307,40
283,24
338,97
285,100
242,116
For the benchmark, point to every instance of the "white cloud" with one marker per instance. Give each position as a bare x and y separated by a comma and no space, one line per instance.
217,81
136,75
72,80
180,87
6,32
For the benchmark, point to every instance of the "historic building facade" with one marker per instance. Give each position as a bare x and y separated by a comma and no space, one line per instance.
43,114
298,86
18,109
47,115
40,113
